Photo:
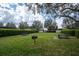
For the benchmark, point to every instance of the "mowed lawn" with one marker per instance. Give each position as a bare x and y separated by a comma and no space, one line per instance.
46,44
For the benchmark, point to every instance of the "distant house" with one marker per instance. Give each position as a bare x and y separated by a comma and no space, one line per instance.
45,29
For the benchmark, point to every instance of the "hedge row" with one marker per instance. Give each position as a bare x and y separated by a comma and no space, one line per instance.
71,32
9,32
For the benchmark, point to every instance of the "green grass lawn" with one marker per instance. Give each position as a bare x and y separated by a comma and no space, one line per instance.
46,44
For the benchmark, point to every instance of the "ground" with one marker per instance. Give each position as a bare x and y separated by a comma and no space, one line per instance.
47,44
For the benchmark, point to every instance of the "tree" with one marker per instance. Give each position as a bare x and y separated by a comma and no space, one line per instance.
55,9
68,9
50,25
37,25
59,9
23,25
68,23
10,25
1,24
47,23
52,28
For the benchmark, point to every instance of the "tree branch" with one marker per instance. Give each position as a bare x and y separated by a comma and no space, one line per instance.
76,10
68,17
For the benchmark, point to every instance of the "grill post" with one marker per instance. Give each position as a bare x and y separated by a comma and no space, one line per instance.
34,37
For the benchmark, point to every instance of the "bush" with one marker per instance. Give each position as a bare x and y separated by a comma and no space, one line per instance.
77,33
63,36
9,32
70,32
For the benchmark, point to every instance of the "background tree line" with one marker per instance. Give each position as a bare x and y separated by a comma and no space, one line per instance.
37,25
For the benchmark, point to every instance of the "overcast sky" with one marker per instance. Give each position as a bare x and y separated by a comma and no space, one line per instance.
14,12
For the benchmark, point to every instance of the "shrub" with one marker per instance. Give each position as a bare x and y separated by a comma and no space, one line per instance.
77,33
70,32
9,32
63,36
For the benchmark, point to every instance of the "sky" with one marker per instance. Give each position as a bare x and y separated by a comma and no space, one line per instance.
17,12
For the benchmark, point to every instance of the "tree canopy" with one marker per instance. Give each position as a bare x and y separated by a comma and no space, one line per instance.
37,25
59,9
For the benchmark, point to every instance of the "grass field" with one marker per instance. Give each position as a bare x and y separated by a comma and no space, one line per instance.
46,44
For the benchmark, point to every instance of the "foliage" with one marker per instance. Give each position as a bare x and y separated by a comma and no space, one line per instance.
50,25
68,23
10,32
1,24
37,25
70,32
23,25
47,23
52,28
77,33
61,10
10,25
